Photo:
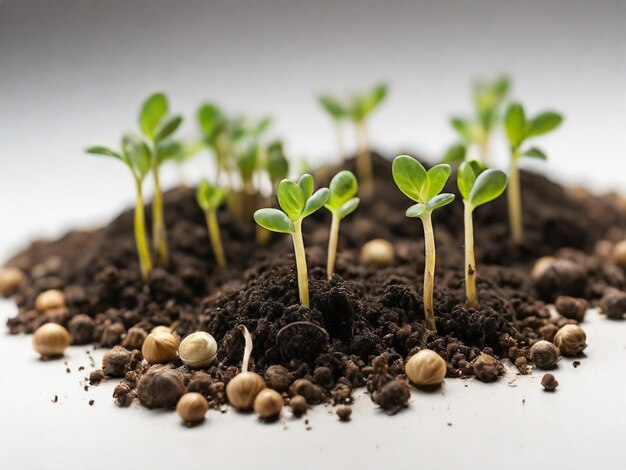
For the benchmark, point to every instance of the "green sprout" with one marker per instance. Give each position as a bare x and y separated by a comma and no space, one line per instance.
488,98
338,114
358,110
519,129
477,187
424,187
216,131
157,126
136,155
341,203
297,201
210,198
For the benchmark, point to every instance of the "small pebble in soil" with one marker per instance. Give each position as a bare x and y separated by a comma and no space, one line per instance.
614,305
160,388
344,413
134,338
312,393
96,376
576,364
298,405
117,362
91,402
487,368
81,328
393,396
278,378
571,307
544,354
55,399
549,383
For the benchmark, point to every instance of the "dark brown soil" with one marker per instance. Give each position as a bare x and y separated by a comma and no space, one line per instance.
362,324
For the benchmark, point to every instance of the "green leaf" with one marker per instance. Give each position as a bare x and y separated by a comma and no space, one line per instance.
416,211
316,201
168,127
306,184
152,111
277,163
410,176
342,187
347,208
515,124
465,179
211,120
461,126
291,199
137,155
274,220
455,153
437,177
544,123
333,107
489,185
209,196
168,150
535,152
439,201
103,151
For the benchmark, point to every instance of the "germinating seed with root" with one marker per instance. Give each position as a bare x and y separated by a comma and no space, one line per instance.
245,386
51,340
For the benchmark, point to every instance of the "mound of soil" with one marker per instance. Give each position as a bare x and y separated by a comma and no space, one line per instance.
364,322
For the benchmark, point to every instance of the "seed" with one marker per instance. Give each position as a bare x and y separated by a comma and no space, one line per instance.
268,403
192,407
571,340
377,252
51,340
426,368
50,299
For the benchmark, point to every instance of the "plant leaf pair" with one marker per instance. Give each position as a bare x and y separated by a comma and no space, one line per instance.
519,128
134,153
479,186
343,188
297,201
154,121
209,196
423,187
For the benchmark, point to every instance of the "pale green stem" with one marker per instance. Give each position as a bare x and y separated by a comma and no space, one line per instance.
484,150
145,261
429,272
303,279
364,163
214,236
515,201
158,225
470,260
332,245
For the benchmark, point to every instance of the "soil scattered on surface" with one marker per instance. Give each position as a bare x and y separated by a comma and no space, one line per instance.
362,324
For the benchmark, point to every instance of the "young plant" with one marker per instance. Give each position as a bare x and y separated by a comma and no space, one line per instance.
488,101
277,167
210,198
341,203
136,155
424,187
338,114
519,129
297,201
477,187
157,126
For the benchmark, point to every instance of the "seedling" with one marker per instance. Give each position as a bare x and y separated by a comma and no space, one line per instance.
277,167
210,198
488,101
341,203
358,110
297,201
477,187
519,129
157,126
214,126
136,155
424,187
338,114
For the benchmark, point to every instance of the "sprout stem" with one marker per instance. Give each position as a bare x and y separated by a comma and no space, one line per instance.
303,280
364,162
341,144
158,225
145,261
515,202
484,151
248,348
214,235
332,245
429,271
470,260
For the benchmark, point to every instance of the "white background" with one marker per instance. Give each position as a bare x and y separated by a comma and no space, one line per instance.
72,73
